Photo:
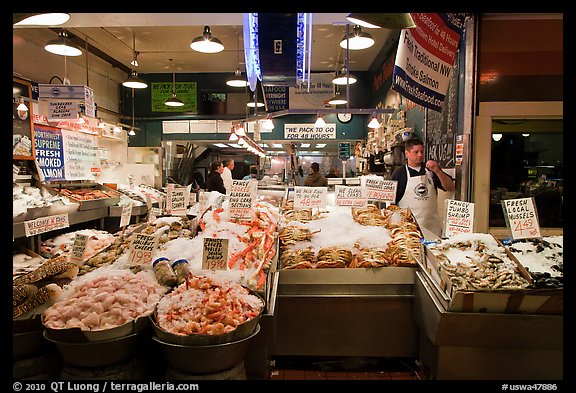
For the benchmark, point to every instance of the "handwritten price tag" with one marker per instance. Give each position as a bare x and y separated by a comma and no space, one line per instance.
521,217
215,254
78,248
459,217
142,248
310,197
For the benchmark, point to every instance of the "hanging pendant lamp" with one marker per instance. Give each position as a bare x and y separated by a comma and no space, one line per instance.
206,43
134,81
173,101
357,39
63,46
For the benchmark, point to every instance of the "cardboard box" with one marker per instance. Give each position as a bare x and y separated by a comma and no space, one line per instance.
510,301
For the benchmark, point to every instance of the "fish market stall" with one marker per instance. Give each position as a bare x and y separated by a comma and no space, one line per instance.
482,315
346,277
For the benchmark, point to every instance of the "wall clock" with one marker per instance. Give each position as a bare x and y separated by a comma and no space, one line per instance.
344,117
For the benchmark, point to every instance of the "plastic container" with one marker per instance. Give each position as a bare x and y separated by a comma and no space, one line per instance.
163,272
181,268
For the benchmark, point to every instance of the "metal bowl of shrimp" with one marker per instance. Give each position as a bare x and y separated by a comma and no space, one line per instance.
214,328
96,353
205,359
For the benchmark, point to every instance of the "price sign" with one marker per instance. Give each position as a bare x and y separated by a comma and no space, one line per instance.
521,217
310,197
126,215
459,217
379,189
142,248
78,248
344,150
153,213
241,199
178,200
215,254
350,196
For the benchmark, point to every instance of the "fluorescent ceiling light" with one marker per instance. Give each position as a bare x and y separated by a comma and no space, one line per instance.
277,145
304,145
320,145
263,145
220,145
235,145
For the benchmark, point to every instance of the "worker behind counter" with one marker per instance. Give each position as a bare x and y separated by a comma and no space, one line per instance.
334,172
315,178
418,185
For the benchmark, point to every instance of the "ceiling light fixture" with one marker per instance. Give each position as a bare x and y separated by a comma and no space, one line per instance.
135,82
343,77
357,39
319,121
132,132
21,105
173,100
63,46
374,123
206,43
135,61
47,19
233,136
386,20
255,103
268,124
496,137
338,100
237,80
240,130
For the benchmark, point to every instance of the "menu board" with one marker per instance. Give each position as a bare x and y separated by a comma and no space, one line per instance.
22,123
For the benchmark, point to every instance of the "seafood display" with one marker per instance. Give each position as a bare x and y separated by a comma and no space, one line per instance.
208,306
291,234
352,237
30,197
104,299
23,263
542,258
36,299
57,267
98,240
298,259
331,257
86,194
368,258
477,262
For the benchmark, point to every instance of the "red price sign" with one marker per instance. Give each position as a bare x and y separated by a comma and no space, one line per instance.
140,257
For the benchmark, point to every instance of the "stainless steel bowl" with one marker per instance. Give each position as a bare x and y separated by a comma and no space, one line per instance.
205,359
96,353
24,344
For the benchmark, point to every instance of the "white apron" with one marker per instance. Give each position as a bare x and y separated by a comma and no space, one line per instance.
420,196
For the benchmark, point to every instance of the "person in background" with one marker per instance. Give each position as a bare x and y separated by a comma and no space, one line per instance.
418,185
252,175
214,181
315,178
198,181
227,174
334,172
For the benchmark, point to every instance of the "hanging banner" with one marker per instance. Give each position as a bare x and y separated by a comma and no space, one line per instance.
185,91
306,131
314,97
425,58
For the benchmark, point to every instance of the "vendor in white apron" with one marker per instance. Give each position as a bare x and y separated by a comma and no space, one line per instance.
422,181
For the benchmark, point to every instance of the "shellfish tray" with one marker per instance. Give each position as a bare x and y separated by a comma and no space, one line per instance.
489,300
103,196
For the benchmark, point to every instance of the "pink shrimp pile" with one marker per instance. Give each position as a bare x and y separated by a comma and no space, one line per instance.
204,305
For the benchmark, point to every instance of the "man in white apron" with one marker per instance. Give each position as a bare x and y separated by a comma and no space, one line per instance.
418,185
